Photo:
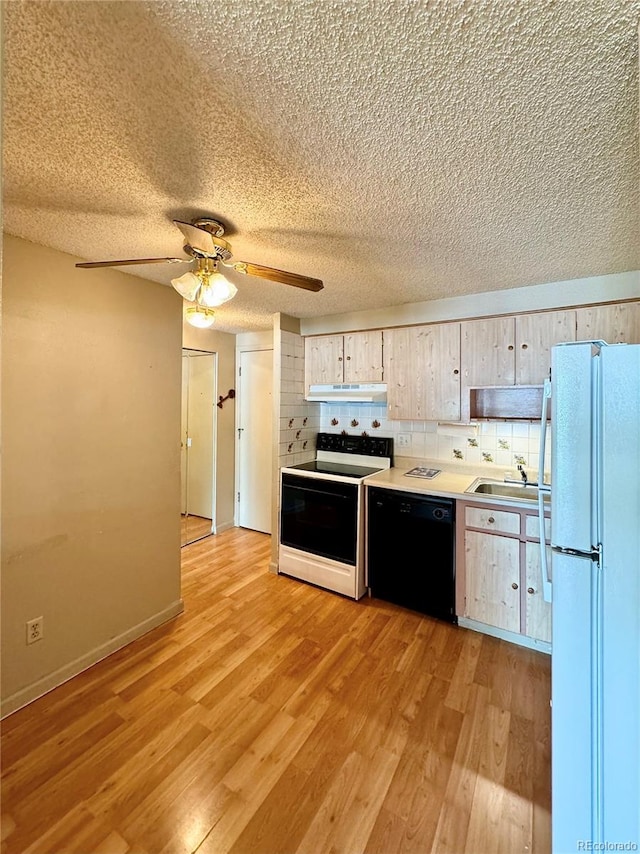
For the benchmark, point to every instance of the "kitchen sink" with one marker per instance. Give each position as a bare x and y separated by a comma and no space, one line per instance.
513,491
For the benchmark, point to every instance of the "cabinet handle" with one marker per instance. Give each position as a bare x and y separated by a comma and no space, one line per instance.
514,585
530,590
491,520
524,346
339,358
456,371
510,347
348,358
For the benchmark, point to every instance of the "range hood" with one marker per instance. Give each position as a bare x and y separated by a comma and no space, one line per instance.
348,393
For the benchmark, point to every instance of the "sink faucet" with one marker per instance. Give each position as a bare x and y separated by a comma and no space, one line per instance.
523,474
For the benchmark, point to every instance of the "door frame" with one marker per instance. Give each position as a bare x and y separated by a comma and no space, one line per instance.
214,485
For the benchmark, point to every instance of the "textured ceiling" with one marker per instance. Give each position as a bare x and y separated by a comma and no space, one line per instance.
401,150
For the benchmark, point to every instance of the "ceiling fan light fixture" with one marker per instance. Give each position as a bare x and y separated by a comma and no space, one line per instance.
215,290
200,316
187,285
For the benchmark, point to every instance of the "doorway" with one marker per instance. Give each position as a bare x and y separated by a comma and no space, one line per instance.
255,430
197,443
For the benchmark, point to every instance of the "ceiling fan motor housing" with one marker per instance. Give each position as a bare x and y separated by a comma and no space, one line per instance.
211,225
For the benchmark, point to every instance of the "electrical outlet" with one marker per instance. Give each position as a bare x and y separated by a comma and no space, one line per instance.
403,440
35,630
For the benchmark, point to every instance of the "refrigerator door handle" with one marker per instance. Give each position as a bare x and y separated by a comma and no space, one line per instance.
542,491
544,563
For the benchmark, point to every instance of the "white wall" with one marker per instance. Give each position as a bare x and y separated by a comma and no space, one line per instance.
614,288
91,364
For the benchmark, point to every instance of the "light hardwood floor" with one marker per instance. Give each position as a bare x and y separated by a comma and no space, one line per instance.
193,528
275,718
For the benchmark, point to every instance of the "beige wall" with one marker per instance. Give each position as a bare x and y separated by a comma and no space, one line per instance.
91,365
225,346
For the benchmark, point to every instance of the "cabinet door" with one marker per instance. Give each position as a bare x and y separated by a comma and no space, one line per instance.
487,355
400,373
323,359
538,612
363,357
535,336
615,324
438,349
492,580
422,372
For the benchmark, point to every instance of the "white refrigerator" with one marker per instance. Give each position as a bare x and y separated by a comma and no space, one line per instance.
594,585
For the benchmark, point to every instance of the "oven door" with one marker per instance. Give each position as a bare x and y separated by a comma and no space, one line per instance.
320,516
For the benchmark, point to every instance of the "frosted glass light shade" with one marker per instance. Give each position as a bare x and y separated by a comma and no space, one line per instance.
206,287
187,285
215,291
200,317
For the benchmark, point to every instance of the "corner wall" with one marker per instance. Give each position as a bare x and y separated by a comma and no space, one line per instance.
91,378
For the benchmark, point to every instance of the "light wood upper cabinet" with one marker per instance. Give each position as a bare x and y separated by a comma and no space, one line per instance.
615,324
323,357
487,351
352,358
536,334
487,356
514,350
422,372
430,369
363,357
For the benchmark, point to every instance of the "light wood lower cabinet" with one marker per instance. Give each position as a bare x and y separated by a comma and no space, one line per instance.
498,574
493,580
538,612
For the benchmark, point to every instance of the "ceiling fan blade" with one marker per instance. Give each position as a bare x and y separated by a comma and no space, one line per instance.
282,276
128,261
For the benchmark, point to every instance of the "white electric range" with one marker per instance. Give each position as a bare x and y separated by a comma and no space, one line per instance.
322,514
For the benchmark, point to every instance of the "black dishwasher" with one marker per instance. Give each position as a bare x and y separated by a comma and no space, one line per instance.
411,551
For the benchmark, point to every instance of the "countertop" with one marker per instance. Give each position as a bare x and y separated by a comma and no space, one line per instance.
448,484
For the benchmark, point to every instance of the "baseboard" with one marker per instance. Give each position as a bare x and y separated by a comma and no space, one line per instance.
273,566
503,634
63,674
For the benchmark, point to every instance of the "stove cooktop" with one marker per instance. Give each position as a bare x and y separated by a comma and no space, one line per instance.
342,469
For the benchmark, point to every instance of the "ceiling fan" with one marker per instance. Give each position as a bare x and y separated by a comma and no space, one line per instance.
205,285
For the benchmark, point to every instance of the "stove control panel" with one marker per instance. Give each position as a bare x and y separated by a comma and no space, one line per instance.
370,446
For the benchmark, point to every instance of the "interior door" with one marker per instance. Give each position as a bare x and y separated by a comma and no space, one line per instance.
255,413
197,445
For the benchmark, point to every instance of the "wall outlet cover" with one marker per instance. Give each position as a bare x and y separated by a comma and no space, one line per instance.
35,630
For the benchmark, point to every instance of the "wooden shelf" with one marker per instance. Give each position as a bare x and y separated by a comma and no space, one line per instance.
506,403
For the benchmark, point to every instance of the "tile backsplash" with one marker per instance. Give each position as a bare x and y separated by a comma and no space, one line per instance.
299,419
500,443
